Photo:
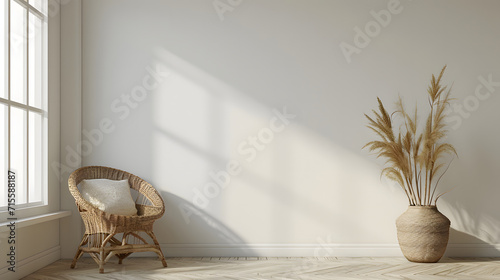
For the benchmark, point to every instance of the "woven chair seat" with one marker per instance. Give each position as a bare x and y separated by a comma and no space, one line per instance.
119,235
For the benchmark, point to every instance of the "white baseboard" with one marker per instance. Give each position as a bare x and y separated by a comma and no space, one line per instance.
312,250
317,250
280,250
31,264
473,250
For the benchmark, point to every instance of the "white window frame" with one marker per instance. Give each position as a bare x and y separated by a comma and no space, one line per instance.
43,110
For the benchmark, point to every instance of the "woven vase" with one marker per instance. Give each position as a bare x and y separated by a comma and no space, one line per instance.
423,233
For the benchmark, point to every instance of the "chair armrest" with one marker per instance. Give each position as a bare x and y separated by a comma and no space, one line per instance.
149,210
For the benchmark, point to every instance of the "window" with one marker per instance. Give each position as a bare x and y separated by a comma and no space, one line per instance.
23,100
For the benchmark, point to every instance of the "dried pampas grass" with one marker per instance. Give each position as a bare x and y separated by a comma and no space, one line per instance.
414,158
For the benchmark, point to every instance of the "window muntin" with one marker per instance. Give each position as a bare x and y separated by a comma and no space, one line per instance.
23,100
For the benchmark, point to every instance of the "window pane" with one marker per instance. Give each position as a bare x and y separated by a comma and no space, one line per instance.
17,53
3,155
18,151
35,157
40,5
35,61
3,49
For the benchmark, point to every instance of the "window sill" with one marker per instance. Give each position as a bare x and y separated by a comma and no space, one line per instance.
25,222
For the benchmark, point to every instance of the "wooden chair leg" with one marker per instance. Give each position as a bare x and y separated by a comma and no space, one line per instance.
160,253
79,252
102,255
101,261
121,257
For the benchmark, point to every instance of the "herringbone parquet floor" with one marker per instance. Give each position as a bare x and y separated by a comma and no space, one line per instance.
275,268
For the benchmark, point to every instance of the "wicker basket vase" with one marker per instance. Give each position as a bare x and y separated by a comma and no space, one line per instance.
423,233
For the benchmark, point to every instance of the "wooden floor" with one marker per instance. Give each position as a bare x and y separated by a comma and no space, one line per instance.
275,268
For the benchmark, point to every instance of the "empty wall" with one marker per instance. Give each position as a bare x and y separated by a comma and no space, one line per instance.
247,116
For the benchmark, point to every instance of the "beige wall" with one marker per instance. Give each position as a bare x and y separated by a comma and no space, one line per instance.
221,73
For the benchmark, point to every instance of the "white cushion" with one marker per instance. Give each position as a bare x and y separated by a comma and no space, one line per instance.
110,196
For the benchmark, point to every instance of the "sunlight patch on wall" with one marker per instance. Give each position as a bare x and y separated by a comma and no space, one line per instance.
298,183
196,118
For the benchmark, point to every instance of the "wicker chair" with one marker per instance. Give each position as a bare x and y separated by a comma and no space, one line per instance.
109,234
